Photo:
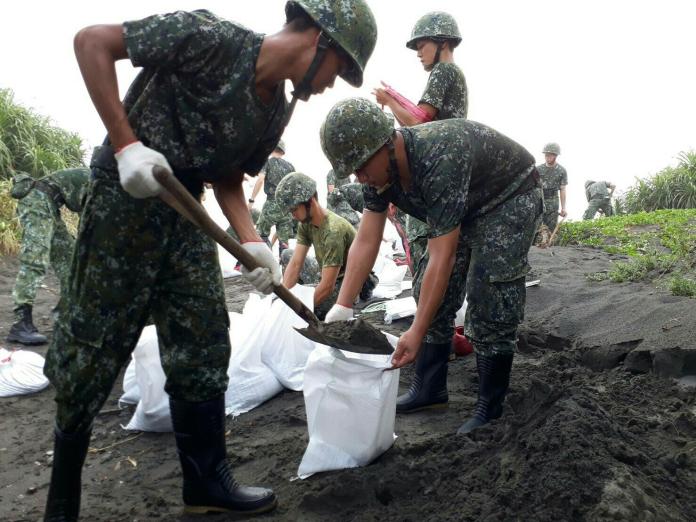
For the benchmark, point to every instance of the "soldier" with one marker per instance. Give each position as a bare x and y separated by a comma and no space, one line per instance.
45,240
209,104
273,171
330,234
554,178
598,194
336,200
310,274
479,193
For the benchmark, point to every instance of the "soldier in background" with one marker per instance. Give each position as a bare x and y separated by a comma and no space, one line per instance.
598,194
273,171
554,179
329,234
336,200
45,240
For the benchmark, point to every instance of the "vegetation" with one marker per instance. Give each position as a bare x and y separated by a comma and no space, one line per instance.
660,246
671,188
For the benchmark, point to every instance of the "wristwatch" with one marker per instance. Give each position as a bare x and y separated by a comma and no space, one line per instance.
251,200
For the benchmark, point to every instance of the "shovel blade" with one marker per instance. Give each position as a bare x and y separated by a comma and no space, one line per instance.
377,343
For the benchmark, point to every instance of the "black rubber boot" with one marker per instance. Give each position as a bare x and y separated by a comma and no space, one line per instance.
24,331
429,386
494,379
69,452
199,429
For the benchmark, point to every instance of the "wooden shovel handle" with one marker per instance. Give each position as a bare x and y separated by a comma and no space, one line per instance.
183,202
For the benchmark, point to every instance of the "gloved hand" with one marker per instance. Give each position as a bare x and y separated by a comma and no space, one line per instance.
135,162
339,313
267,273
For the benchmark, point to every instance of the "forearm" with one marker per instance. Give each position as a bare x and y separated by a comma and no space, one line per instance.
257,186
292,273
97,48
230,197
563,197
361,259
322,291
402,115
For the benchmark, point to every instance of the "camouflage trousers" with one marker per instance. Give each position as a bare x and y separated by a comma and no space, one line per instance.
365,293
489,269
45,240
271,215
550,218
596,204
135,259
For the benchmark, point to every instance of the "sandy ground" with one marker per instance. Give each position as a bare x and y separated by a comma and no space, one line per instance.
599,424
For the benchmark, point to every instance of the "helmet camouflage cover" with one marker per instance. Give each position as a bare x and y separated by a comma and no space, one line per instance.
348,23
352,132
294,189
280,146
588,183
437,25
552,148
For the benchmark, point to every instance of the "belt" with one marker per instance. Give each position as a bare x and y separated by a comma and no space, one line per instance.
103,159
51,191
550,193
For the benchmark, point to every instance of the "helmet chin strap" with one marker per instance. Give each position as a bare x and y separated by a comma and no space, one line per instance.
308,218
304,89
436,60
393,168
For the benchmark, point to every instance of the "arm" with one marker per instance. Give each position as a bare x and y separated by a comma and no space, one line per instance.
257,187
361,256
442,251
292,272
97,48
563,212
612,188
329,274
405,112
229,194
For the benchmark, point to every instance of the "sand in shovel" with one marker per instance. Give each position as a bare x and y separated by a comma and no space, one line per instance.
354,336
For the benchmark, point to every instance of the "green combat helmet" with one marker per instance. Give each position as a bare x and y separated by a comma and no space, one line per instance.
352,132
294,189
552,148
435,26
280,146
350,24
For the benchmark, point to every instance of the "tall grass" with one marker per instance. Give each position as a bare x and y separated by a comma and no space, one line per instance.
671,188
9,224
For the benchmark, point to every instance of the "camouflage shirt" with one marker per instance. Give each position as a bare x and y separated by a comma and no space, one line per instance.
331,240
331,179
195,100
352,192
72,184
446,91
552,178
460,169
598,190
275,169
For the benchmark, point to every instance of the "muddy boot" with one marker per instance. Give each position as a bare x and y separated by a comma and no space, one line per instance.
429,386
199,429
24,331
494,379
69,452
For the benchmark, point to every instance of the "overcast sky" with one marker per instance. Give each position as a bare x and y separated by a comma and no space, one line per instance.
612,81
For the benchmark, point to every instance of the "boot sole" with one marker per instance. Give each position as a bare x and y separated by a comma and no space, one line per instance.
439,406
12,339
202,510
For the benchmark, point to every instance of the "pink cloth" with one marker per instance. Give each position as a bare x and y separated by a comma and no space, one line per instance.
414,110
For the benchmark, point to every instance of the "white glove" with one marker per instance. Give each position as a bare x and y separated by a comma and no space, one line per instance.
135,162
268,272
339,313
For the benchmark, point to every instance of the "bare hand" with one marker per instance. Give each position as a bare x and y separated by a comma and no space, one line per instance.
381,96
406,349
563,213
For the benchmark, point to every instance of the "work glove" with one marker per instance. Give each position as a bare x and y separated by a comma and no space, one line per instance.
339,313
267,273
135,163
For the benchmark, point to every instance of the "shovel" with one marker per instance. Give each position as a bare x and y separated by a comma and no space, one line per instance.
354,336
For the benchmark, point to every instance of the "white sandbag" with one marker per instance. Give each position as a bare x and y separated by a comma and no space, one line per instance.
283,349
390,278
131,390
351,406
251,381
21,373
461,313
399,308
152,412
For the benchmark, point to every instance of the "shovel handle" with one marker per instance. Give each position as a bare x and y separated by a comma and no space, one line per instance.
187,206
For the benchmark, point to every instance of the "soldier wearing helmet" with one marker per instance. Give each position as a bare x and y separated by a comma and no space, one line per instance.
329,234
275,169
598,194
554,179
209,105
480,194
337,201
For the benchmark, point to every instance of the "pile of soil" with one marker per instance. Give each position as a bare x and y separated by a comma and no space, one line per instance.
599,424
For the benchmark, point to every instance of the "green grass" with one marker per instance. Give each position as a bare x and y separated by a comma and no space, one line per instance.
660,245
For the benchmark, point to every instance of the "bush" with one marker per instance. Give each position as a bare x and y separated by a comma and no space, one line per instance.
9,224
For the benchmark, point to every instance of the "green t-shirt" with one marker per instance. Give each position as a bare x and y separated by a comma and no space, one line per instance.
195,100
331,240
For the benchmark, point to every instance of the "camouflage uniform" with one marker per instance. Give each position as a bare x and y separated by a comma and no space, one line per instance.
337,201
331,241
271,214
310,274
552,179
598,197
464,173
195,101
45,239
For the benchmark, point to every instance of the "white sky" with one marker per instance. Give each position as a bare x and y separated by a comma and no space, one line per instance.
612,81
